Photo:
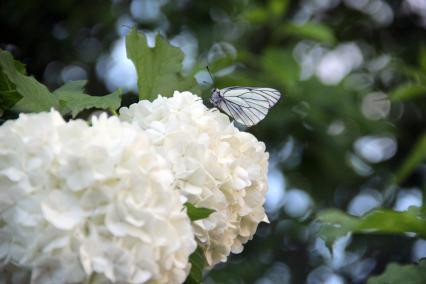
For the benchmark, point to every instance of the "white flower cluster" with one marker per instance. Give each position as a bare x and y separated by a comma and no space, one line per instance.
92,204
103,202
215,166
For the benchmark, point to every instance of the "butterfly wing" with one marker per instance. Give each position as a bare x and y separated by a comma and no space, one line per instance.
248,105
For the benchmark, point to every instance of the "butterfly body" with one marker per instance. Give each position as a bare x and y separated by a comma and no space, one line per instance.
247,105
216,97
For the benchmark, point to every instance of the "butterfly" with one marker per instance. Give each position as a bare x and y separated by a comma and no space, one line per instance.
246,105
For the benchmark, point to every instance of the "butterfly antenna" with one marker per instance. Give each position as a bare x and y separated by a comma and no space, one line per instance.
210,73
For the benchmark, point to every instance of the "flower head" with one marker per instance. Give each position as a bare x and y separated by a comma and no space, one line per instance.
215,166
80,202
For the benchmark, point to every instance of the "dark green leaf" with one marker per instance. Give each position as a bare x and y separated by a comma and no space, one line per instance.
397,274
158,68
336,223
73,99
417,156
408,91
198,263
35,96
197,213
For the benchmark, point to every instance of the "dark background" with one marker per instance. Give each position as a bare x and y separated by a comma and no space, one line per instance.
335,140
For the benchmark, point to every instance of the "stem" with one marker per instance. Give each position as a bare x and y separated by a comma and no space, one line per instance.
113,112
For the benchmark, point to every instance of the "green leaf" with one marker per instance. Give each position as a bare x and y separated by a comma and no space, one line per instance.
35,96
315,31
408,91
273,61
198,263
256,16
20,67
396,274
278,8
73,99
9,96
197,213
336,223
264,14
417,156
422,57
158,68
72,86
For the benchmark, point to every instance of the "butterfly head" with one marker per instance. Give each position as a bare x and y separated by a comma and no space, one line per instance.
216,96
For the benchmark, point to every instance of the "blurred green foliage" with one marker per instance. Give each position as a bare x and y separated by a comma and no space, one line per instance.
337,224
349,133
409,274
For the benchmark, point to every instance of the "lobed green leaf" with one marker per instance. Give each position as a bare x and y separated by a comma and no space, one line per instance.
158,68
73,99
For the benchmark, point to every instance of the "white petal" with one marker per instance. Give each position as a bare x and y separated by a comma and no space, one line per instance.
62,210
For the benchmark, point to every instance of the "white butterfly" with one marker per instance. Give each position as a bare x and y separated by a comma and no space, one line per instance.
247,105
